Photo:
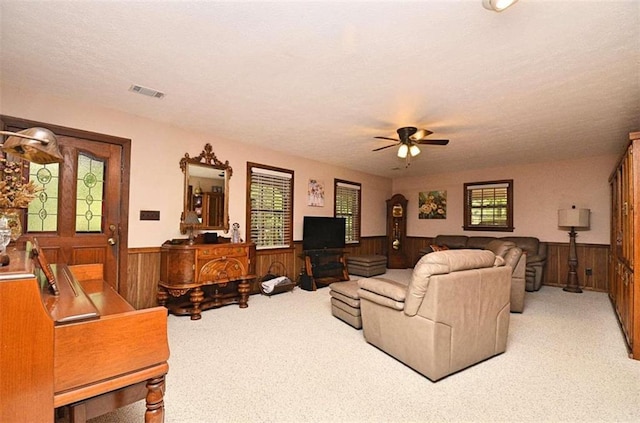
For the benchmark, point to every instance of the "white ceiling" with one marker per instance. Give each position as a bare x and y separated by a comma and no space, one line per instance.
543,80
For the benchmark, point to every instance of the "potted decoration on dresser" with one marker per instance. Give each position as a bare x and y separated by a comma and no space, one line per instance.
15,194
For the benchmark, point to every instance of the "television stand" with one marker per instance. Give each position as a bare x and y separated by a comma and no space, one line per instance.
325,266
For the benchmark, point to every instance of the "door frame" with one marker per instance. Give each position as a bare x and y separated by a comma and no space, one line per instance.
125,144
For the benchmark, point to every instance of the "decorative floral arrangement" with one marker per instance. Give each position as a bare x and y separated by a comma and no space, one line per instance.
15,191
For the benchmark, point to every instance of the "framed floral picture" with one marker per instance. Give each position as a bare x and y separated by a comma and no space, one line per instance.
315,193
432,205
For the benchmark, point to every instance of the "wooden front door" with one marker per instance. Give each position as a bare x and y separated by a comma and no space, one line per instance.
81,216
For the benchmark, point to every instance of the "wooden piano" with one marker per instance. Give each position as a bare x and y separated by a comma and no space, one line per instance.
86,350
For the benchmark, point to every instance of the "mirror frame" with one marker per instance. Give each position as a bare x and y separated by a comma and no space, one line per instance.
206,158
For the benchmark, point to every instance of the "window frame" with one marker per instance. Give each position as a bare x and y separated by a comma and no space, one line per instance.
288,242
356,186
467,191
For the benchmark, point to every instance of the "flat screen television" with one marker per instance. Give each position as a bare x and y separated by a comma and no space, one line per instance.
320,233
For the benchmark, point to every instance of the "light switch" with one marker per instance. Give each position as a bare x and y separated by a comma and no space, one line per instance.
149,214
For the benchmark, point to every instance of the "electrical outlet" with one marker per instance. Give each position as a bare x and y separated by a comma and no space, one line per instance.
588,271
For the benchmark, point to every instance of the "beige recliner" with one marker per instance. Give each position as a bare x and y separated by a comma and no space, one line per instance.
454,312
515,258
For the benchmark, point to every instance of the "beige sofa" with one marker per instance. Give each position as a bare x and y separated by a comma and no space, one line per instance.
535,249
515,258
454,312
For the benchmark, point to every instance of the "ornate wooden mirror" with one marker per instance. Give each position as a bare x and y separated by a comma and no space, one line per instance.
206,190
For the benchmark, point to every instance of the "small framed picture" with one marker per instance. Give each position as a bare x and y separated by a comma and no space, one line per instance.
315,193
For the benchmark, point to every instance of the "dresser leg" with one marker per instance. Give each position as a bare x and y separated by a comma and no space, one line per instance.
196,297
243,290
162,295
155,400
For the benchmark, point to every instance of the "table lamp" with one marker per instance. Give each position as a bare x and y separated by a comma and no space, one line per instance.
191,220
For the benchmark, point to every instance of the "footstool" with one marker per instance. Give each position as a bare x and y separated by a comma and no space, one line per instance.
367,266
345,302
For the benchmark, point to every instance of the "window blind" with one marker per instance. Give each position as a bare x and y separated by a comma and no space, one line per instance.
347,205
488,204
271,208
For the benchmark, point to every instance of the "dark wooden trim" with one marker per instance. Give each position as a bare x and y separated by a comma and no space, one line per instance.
144,250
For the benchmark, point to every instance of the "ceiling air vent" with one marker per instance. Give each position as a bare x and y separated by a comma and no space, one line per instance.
146,91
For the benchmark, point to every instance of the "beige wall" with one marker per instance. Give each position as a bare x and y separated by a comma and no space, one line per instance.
539,191
156,178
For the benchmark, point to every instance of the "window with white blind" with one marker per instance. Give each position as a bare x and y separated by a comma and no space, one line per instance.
270,206
488,206
347,205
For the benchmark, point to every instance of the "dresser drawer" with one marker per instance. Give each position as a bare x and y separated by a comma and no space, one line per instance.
222,251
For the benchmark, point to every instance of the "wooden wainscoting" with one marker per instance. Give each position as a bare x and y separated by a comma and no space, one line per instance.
144,265
590,256
414,245
143,274
294,261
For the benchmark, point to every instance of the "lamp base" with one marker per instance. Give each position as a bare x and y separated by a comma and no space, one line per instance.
572,278
574,289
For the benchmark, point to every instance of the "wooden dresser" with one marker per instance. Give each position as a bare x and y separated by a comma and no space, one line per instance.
85,349
624,281
198,277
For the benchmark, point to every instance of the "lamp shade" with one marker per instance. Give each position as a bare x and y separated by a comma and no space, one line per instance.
38,145
414,150
191,218
575,218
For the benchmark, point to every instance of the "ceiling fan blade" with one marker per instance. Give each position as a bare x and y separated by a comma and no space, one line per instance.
386,146
420,134
433,142
387,138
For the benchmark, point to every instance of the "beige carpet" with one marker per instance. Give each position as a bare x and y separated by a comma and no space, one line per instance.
287,359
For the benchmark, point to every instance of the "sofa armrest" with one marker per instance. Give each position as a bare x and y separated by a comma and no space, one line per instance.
380,299
384,287
542,250
535,259
384,292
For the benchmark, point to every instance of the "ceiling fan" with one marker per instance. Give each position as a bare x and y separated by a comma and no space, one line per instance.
409,138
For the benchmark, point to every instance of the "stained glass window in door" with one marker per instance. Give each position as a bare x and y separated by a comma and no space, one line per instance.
89,194
42,214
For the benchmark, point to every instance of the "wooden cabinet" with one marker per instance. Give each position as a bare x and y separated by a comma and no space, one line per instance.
209,206
624,282
198,277
397,257
326,266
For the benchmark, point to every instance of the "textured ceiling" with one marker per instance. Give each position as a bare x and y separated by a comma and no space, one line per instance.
544,80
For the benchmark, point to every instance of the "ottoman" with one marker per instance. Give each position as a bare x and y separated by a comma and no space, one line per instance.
367,266
345,302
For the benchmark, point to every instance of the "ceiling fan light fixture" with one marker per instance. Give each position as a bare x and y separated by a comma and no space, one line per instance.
497,5
403,151
414,150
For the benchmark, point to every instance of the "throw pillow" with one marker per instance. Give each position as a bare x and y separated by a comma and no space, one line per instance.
435,247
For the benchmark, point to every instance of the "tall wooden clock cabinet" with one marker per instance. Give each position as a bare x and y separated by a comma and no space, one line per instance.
397,257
